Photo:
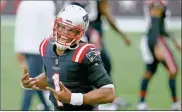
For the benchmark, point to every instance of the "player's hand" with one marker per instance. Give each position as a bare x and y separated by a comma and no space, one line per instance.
64,95
26,81
127,41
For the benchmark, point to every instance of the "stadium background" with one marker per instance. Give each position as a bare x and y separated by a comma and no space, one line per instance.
127,64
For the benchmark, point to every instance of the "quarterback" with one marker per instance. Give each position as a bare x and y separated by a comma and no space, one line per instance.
74,71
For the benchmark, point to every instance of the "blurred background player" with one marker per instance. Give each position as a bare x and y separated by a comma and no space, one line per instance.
155,50
96,10
34,21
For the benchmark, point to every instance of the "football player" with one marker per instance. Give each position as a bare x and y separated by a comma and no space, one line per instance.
72,68
96,9
155,50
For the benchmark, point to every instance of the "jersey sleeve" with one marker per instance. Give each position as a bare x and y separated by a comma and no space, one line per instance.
97,74
42,46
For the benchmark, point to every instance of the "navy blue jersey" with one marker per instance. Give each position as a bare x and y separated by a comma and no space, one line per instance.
80,70
157,28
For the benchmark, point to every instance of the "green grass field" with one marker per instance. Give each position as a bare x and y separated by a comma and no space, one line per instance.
127,72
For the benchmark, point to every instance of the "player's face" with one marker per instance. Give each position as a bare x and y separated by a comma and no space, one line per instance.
66,33
156,10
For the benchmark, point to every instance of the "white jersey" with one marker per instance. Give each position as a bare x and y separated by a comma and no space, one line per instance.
34,22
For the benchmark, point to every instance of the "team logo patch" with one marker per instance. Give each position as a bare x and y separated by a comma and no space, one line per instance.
85,18
92,55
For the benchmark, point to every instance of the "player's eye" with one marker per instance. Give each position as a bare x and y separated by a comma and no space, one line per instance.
60,27
76,32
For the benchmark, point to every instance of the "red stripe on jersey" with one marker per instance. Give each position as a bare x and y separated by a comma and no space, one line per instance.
84,52
40,46
76,52
80,52
43,46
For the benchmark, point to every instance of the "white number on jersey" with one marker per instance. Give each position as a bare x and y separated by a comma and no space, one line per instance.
55,78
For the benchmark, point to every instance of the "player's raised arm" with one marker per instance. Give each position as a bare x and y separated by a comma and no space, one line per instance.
104,8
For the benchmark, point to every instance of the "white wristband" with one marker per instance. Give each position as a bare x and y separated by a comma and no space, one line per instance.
76,99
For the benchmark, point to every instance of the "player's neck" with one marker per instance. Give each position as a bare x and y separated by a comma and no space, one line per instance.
59,52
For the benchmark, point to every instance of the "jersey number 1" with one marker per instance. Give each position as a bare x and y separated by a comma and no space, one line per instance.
55,78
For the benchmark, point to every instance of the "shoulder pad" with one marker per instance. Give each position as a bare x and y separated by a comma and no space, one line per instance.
84,50
43,45
92,55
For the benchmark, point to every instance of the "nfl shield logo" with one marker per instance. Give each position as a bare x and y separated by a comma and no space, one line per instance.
56,61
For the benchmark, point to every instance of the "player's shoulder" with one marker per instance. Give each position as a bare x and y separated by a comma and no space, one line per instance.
43,45
85,51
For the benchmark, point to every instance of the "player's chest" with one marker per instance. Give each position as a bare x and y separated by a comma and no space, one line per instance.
66,69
